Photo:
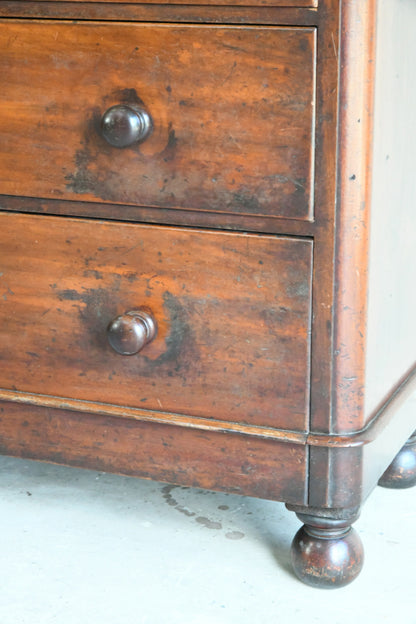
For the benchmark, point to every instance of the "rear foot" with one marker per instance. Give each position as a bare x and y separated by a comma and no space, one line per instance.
402,471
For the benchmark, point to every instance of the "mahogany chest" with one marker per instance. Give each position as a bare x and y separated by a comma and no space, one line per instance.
207,249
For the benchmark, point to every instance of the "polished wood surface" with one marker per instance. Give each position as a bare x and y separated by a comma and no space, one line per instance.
130,332
166,13
232,314
273,255
284,3
352,215
235,463
326,552
232,116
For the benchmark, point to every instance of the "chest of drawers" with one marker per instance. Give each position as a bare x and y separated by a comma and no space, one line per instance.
207,249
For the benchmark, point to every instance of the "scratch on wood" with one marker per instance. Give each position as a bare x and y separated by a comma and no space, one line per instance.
335,47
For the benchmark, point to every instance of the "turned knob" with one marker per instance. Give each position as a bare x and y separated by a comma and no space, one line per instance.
131,331
124,125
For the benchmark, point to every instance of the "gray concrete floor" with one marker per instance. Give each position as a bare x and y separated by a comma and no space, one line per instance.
86,547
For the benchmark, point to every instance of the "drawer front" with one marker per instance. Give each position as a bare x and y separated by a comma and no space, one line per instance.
232,314
231,111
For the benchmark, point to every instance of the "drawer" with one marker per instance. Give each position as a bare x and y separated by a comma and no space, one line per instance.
232,314
231,113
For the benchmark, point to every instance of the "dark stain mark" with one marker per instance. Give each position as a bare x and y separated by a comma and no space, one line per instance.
93,273
234,48
299,184
245,202
353,177
303,44
185,511
207,523
98,307
95,172
83,180
131,277
168,496
187,103
181,350
128,96
69,295
223,507
169,152
87,177
174,503
247,468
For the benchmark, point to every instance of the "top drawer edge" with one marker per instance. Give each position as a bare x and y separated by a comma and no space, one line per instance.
252,3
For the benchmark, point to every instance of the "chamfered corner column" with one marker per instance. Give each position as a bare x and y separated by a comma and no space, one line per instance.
402,471
326,551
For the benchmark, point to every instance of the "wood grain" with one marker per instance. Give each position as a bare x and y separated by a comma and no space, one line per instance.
232,116
233,463
164,13
357,55
166,216
326,137
277,3
233,316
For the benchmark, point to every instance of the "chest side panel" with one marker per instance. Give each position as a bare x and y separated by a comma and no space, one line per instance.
391,335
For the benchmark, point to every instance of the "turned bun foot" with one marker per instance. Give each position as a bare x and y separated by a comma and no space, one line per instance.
402,471
326,553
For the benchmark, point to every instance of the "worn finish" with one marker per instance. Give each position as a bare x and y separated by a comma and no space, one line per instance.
232,311
165,13
354,166
372,324
324,234
192,218
285,3
187,456
232,118
326,552
402,471
263,377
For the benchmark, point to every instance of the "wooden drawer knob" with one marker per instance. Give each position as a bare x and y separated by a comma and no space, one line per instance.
131,331
123,125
